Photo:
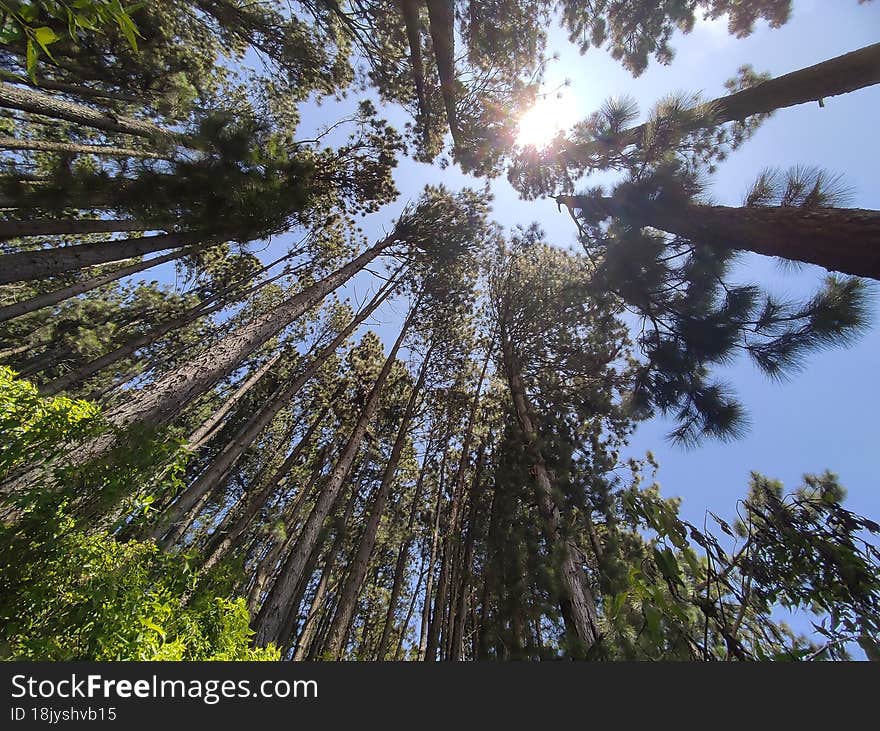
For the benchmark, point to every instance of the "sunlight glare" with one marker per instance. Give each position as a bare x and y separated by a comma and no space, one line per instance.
540,124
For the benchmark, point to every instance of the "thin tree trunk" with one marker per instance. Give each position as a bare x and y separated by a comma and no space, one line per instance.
402,557
87,370
839,239
48,299
228,533
194,497
459,615
202,434
488,581
36,102
409,613
304,643
451,536
348,595
424,629
577,604
280,548
42,263
11,143
441,19
840,75
410,11
270,620
73,226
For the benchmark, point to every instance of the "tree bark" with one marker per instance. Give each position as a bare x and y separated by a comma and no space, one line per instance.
410,11
576,602
425,627
839,75
68,148
42,263
73,226
304,645
201,435
839,239
339,627
270,620
280,548
459,615
48,299
402,556
441,19
239,520
450,538
36,102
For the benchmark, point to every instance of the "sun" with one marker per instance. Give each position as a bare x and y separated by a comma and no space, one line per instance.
543,121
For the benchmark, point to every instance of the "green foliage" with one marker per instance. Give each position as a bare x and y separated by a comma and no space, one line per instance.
32,425
801,552
69,594
37,24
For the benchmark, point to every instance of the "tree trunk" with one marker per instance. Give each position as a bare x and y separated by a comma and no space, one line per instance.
163,399
239,520
280,548
201,435
576,602
425,627
839,75
67,148
441,19
36,102
339,627
450,538
42,263
402,556
307,636
48,299
73,226
459,615
410,11
270,620
839,239
194,497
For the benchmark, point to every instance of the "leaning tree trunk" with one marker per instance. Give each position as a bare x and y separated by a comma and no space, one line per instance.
48,105
307,635
839,75
204,432
410,11
67,148
839,239
87,370
160,401
47,299
348,595
41,263
239,519
576,602
73,226
441,21
171,528
270,621
279,548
